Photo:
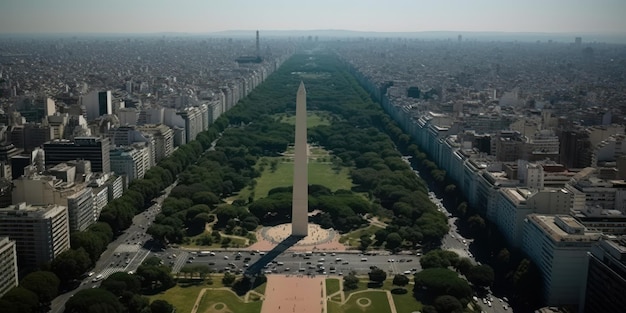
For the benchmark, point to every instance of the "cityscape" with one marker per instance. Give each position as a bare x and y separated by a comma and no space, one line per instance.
243,163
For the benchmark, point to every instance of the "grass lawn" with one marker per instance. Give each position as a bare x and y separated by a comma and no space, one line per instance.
353,238
183,298
406,303
378,303
232,302
319,173
332,286
261,288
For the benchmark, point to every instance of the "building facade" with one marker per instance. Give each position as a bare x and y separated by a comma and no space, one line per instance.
94,149
8,265
40,232
558,245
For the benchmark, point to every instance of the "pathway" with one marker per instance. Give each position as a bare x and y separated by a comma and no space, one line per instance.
246,298
392,304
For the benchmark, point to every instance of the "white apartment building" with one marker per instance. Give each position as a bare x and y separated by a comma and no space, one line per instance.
40,232
558,245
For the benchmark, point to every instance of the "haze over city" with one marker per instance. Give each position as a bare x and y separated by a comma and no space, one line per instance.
199,16
213,156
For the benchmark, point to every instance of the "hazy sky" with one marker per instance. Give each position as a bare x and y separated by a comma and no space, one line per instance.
145,16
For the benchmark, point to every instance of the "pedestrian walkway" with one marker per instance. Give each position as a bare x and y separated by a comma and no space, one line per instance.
108,271
294,293
180,261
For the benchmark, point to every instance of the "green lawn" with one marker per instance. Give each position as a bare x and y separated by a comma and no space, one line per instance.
183,298
352,238
378,304
332,286
406,303
318,173
261,288
232,302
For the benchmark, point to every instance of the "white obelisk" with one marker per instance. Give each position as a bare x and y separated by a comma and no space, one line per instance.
300,205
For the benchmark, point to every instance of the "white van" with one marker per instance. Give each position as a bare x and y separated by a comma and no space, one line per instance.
363,259
97,278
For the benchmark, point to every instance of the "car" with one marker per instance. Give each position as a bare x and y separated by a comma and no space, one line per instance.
402,260
211,263
391,260
418,254
506,307
409,260
246,265
345,262
189,261
131,272
489,303
225,257
91,274
97,278
407,272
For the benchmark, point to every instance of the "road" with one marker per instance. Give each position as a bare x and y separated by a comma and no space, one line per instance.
124,254
292,262
456,242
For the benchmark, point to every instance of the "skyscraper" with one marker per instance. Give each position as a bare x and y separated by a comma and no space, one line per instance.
98,103
300,205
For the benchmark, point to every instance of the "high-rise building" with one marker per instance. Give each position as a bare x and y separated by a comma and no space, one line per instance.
132,161
98,103
92,149
558,245
40,232
606,277
42,190
163,139
8,265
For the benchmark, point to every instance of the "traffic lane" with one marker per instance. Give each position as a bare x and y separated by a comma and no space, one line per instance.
400,265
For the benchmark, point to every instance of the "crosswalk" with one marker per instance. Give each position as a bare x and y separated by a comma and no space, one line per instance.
180,261
110,270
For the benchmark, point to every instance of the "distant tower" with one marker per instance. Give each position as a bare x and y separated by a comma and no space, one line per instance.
258,47
578,41
300,200
460,38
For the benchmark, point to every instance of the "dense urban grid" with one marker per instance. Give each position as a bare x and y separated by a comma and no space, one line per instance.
477,171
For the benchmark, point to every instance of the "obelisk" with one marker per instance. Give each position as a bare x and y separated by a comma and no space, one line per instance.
300,201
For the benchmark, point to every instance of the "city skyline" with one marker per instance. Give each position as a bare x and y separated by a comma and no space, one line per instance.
194,16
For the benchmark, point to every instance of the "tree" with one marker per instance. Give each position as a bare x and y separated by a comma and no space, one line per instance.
364,242
44,284
393,241
350,281
161,306
94,300
120,282
448,304
24,299
228,279
481,275
464,265
441,281
400,280
377,275
71,264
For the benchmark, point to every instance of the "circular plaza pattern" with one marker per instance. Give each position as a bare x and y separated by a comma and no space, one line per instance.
317,235
364,302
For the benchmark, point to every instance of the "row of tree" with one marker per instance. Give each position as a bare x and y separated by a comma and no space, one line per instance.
121,292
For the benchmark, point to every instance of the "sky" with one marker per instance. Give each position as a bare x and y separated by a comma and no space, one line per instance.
202,16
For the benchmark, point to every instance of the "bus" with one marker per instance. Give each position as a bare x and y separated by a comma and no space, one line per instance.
204,253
